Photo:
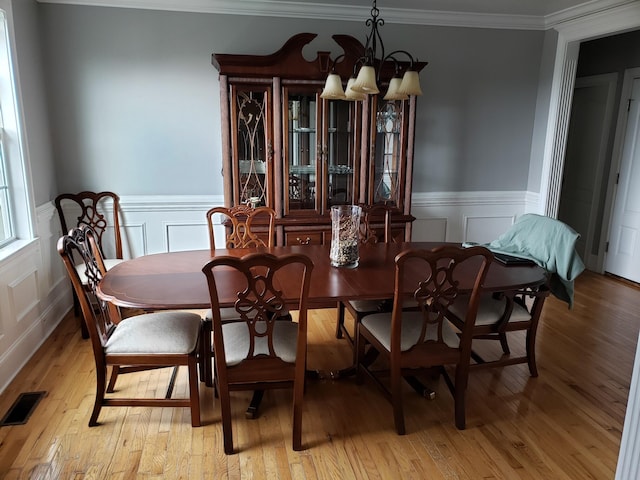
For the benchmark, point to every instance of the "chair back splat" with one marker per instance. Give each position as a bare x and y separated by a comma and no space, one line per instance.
260,350
142,342
246,226
98,210
421,338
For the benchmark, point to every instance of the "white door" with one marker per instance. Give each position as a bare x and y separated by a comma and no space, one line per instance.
623,257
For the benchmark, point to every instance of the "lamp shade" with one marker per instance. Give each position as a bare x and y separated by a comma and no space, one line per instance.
394,92
352,95
366,81
410,83
333,88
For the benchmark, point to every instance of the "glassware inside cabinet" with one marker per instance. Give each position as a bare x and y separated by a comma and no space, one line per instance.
340,152
388,153
252,148
302,150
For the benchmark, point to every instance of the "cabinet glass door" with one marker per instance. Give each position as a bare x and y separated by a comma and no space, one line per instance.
252,146
339,152
301,150
387,181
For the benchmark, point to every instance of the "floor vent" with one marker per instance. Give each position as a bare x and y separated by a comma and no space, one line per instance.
22,408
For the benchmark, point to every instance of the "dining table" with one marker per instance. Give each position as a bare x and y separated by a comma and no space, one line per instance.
174,280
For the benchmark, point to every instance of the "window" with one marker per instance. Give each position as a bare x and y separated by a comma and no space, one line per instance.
6,226
15,217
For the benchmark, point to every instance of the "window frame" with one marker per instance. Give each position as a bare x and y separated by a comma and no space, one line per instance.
14,158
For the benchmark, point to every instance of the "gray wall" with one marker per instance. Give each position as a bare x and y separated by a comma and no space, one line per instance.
31,83
135,101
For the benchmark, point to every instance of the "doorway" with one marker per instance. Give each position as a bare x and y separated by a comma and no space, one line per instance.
623,255
585,174
592,156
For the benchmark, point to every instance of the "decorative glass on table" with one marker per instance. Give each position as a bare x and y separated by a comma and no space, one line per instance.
345,227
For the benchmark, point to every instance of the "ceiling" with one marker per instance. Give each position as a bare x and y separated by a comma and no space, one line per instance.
518,14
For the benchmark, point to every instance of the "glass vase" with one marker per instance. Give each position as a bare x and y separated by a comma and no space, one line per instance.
345,228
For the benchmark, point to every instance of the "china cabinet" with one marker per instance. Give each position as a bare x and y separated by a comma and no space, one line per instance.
285,147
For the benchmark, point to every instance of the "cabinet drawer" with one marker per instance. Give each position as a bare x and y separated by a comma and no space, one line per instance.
303,238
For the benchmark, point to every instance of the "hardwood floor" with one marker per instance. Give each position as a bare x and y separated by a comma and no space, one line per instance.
565,424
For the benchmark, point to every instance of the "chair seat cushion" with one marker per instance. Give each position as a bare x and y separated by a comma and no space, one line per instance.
379,324
161,333
364,306
227,314
108,264
367,306
236,342
490,310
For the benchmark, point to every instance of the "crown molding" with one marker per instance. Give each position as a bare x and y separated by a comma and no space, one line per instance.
592,8
323,11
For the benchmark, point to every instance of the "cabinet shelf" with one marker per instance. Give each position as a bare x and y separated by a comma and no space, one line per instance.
302,169
340,170
259,166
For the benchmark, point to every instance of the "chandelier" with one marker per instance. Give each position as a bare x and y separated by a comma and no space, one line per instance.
367,78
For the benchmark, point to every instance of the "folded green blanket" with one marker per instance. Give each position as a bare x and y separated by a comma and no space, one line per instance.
551,244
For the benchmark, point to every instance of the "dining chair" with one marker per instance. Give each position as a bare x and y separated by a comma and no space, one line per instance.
100,211
257,351
422,340
375,227
245,227
547,242
151,340
501,313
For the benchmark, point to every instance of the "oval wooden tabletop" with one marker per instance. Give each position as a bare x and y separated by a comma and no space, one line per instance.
175,280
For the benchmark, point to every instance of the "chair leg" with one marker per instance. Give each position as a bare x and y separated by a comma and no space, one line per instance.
360,363
101,375
254,404
194,393
460,391
531,351
225,411
396,400
206,354
115,371
504,343
298,394
340,319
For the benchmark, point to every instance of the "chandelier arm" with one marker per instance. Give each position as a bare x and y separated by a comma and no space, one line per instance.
391,56
333,63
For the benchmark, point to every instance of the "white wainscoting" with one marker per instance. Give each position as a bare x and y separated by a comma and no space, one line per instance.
35,293
467,216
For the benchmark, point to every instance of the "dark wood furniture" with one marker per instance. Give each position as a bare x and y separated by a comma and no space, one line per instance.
100,211
170,281
287,148
246,226
501,313
421,339
375,227
260,350
145,341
